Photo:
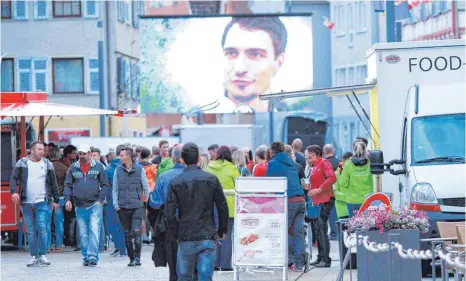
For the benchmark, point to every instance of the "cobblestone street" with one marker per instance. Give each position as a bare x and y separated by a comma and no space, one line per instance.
67,266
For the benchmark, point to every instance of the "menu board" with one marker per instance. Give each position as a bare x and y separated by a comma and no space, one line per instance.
260,230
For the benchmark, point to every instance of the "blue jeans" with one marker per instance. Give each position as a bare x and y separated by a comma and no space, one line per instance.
296,222
225,248
59,223
102,235
49,226
189,252
89,220
36,218
114,228
352,208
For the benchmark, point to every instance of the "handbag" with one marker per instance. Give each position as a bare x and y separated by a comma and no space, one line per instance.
312,211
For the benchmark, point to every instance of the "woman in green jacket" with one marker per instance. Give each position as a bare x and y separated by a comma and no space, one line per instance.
226,173
340,196
356,179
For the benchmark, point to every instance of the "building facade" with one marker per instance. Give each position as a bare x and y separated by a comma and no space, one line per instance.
356,30
52,46
434,20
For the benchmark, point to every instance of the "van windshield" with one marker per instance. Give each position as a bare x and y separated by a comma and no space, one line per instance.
438,139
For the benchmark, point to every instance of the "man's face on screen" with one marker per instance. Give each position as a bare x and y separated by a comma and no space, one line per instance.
250,62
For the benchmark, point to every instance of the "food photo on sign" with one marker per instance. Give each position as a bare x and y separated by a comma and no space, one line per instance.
228,62
260,239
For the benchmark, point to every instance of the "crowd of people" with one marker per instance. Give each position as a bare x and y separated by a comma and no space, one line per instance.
174,198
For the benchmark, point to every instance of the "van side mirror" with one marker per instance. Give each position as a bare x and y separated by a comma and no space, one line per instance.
377,165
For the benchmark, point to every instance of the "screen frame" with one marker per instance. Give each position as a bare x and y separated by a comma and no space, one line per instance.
309,14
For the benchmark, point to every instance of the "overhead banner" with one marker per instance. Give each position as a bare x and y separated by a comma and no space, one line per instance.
223,64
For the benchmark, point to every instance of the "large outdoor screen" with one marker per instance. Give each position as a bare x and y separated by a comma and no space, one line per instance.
223,64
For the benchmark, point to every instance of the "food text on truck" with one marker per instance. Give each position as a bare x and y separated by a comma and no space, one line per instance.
439,63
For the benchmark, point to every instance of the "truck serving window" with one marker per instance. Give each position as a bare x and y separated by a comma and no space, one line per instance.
438,139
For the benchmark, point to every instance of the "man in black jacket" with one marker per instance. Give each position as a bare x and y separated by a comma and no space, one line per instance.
192,197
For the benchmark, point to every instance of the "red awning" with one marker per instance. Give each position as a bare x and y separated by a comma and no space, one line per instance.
35,104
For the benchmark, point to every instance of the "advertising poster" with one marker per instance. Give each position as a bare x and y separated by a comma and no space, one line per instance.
260,234
223,64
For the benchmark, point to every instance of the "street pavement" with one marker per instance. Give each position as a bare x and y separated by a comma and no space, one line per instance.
67,266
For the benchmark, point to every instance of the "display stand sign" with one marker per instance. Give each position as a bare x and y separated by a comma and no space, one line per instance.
261,224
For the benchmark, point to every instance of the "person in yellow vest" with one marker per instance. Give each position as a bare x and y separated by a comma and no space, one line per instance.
340,195
226,173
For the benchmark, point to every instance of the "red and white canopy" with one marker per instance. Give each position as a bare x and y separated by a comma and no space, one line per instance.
17,104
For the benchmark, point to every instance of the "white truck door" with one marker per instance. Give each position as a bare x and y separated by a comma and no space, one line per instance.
405,184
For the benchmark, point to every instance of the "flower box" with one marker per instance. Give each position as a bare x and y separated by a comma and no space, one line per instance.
389,266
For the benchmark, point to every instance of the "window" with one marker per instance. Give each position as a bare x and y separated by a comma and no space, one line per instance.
438,140
24,74
340,77
362,16
39,81
121,11
8,77
335,19
341,17
361,74
135,13
160,4
122,75
41,10
351,76
91,9
66,9
127,6
94,78
68,76
6,10
350,18
21,10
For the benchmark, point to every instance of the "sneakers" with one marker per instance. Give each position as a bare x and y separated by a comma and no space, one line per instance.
132,263
86,263
137,262
34,262
115,253
92,263
323,264
43,260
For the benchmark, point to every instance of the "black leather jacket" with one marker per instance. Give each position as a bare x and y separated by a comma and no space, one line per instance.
192,197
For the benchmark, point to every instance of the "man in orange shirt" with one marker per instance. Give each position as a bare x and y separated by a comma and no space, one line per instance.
151,174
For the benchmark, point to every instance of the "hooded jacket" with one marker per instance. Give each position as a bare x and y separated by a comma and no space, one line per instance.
340,195
226,173
356,180
282,165
86,188
165,165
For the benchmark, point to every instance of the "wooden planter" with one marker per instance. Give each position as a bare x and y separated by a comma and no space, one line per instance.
385,266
